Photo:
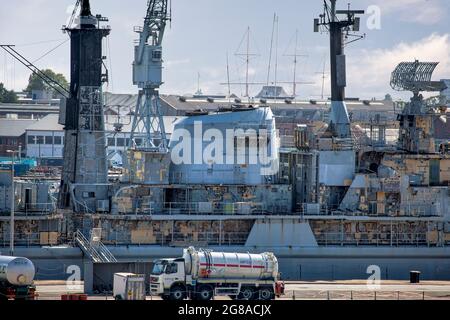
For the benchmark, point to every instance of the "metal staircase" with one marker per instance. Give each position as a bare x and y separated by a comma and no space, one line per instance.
94,250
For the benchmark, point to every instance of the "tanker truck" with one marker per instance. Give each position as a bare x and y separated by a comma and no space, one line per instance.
16,278
203,274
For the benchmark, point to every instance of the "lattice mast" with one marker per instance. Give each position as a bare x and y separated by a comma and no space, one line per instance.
148,132
84,179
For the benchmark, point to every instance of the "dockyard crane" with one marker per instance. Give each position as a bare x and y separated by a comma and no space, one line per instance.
148,131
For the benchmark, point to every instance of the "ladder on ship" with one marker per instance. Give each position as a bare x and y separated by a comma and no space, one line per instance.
96,251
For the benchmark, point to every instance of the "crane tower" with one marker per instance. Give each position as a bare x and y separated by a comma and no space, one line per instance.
148,132
148,157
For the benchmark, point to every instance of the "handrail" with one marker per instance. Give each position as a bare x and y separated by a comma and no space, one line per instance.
97,253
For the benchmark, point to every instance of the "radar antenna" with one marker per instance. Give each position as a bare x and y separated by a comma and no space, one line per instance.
415,77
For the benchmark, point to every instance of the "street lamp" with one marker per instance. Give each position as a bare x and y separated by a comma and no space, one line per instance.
13,204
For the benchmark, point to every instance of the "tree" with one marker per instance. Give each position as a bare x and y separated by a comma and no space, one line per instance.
7,96
36,83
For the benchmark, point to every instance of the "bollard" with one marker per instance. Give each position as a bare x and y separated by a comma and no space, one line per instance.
328,295
351,295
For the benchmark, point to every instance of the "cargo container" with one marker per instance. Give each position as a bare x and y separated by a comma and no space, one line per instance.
129,286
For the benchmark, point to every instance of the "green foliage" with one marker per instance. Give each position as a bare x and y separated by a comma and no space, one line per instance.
7,96
36,83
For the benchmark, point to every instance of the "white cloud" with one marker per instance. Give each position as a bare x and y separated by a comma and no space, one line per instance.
427,12
173,63
369,71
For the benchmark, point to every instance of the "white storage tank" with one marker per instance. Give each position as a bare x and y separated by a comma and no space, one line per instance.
223,265
16,271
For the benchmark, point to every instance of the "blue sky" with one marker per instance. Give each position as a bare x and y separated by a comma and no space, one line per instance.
203,31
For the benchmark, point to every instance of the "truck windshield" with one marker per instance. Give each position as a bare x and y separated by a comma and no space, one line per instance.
159,267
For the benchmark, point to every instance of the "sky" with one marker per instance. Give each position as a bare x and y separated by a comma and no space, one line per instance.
203,32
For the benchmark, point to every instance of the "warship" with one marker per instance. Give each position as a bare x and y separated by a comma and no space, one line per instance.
329,204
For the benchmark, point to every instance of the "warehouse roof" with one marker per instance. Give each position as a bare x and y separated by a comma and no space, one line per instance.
23,108
192,103
14,128
48,123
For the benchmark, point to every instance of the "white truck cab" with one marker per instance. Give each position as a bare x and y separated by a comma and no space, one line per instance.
166,275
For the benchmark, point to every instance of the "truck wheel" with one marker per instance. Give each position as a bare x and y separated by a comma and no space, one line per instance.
247,293
266,294
204,293
177,293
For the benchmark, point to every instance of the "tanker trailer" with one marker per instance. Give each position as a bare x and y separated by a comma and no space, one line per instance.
203,274
16,278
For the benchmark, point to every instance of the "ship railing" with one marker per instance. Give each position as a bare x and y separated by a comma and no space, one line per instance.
179,239
25,239
97,251
374,239
287,141
213,208
36,209
415,209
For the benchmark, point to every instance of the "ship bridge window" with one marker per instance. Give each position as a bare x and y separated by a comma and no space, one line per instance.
88,195
31,139
48,140
57,140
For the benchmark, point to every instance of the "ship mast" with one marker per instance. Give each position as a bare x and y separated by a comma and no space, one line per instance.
339,30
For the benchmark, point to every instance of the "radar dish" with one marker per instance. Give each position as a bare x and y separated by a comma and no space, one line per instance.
415,76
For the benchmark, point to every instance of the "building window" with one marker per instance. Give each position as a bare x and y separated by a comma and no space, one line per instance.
120,142
58,140
40,140
138,141
48,140
31,140
111,142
